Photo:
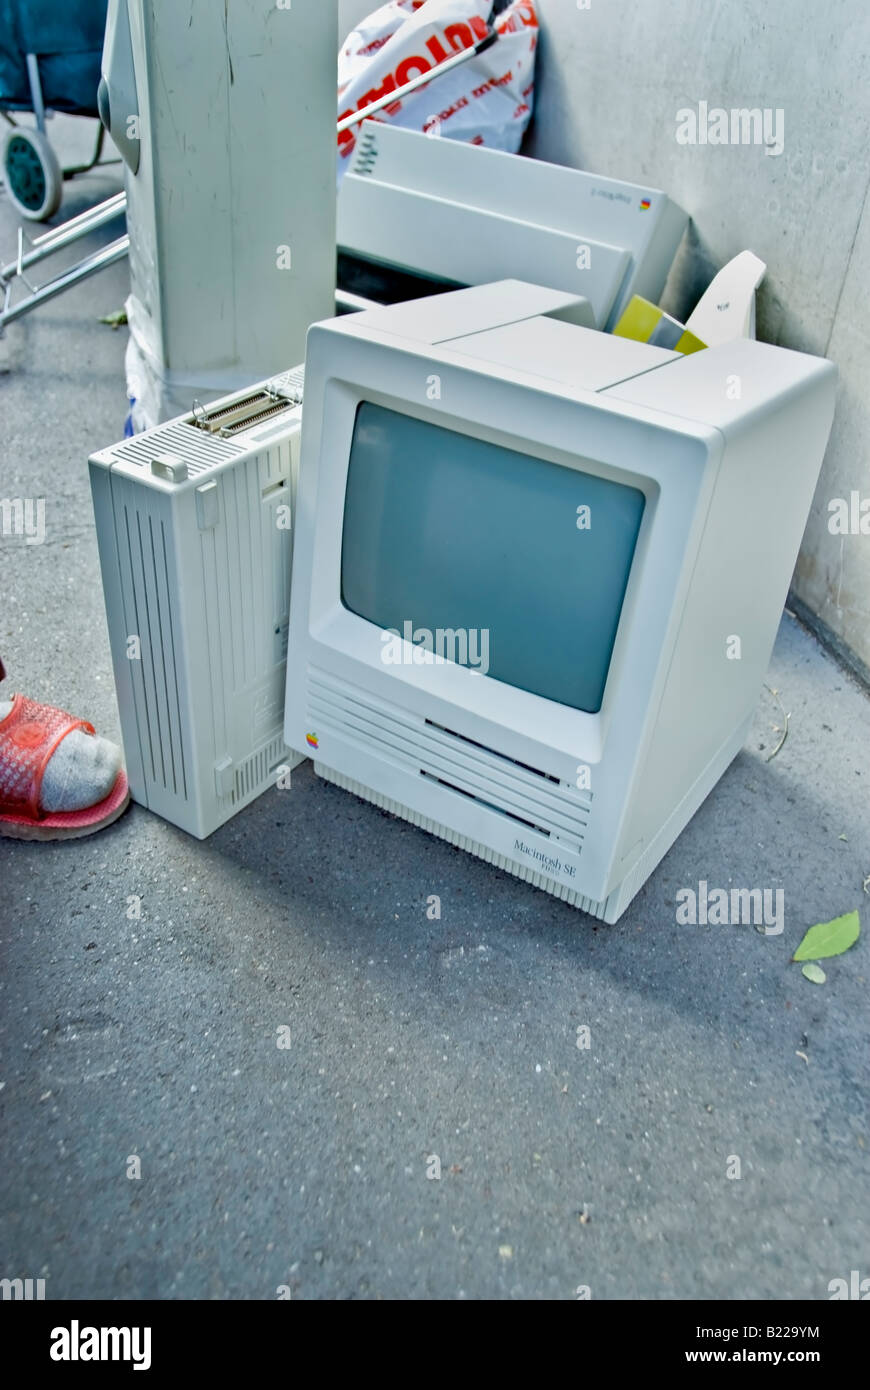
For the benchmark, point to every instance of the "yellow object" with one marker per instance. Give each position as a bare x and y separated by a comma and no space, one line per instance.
647,323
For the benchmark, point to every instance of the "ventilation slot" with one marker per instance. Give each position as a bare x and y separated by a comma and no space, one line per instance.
199,450
149,606
273,489
367,153
469,796
425,749
255,773
535,771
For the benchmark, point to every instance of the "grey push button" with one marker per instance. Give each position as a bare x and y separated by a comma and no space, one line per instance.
224,776
207,506
169,466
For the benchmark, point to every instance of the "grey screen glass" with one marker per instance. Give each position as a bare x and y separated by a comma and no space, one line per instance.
450,533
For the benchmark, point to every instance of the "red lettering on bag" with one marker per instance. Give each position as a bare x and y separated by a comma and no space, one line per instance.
388,85
347,137
446,115
520,16
408,66
461,32
439,53
374,46
459,36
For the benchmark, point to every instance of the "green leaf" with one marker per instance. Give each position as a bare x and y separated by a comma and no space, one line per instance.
814,972
116,319
829,938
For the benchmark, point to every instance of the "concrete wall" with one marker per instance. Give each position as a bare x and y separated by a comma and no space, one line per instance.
611,79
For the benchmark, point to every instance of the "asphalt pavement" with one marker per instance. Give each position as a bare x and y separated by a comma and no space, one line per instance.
287,1043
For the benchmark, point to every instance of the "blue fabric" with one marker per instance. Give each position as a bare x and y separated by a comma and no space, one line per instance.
67,37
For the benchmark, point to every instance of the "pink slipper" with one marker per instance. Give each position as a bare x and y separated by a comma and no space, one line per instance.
29,735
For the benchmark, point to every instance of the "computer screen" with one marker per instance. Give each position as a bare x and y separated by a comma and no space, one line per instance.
444,532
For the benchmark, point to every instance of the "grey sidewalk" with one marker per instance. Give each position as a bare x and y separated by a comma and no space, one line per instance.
307,1165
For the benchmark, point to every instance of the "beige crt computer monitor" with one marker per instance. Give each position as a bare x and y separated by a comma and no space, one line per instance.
523,552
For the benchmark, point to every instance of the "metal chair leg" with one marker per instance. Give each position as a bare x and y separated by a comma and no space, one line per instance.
36,90
52,241
86,168
107,255
67,232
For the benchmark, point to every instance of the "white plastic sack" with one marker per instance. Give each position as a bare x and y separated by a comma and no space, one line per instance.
486,101
156,393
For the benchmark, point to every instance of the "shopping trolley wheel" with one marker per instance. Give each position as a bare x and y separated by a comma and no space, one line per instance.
32,174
